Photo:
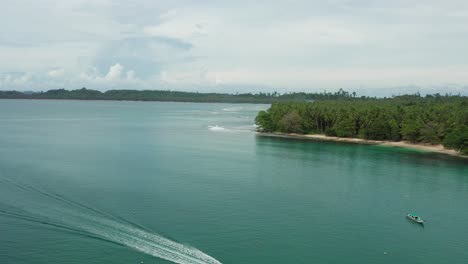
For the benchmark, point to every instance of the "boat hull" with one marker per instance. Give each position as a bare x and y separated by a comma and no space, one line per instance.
419,221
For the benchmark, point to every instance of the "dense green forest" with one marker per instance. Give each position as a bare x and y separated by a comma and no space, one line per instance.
175,96
431,119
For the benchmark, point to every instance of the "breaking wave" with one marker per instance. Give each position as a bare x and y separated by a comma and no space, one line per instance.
58,212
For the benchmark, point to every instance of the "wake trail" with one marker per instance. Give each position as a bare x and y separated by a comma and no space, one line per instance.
51,224
61,198
57,211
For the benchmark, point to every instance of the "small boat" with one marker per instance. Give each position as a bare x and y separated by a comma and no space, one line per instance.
415,218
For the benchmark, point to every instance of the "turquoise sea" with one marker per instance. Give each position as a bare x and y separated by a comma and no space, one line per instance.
132,182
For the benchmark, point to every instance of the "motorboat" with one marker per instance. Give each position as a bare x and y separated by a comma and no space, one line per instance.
415,218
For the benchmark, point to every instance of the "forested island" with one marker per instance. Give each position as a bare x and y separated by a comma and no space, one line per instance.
433,119
175,96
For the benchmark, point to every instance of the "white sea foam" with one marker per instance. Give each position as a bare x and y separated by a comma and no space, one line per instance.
246,128
72,216
216,128
232,109
147,242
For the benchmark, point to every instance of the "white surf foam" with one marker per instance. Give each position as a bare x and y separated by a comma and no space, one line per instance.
216,128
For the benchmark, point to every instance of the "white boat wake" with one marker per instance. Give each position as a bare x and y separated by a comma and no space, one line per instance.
71,216
216,128
147,242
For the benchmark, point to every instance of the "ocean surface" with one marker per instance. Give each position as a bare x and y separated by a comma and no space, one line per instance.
150,182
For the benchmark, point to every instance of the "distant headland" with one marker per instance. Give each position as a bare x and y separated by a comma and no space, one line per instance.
177,96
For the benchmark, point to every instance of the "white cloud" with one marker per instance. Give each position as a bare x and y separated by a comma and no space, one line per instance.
356,77
130,75
176,24
115,77
16,81
115,72
178,30
181,77
295,44
56,73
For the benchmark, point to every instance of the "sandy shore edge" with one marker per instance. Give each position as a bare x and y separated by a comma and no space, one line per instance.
400,144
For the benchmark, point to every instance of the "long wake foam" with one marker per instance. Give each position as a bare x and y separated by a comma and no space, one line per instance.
77,218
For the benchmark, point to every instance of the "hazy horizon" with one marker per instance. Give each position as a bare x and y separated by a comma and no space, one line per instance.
375,48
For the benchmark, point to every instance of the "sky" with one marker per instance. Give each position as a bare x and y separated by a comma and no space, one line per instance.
376,47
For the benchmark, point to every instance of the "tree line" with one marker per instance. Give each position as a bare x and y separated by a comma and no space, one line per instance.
177,96
433,119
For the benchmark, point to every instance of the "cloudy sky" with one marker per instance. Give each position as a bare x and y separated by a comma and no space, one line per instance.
372,46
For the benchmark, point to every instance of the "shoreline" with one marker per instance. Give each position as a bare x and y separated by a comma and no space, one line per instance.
399,144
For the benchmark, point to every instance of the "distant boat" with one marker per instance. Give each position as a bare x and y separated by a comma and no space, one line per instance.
415,218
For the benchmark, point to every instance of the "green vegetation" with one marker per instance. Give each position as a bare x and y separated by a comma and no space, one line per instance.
433,119
174,96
